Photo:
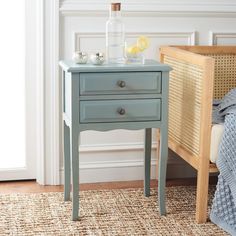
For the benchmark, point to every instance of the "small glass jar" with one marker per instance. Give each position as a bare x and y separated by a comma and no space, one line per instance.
133,56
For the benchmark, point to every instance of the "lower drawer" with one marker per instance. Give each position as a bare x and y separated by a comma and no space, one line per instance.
120,110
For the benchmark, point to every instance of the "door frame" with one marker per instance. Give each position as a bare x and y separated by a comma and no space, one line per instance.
47,86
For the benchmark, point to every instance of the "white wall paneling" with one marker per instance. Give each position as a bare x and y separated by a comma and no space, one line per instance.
114,155
90,42
118,155
151,7
222,38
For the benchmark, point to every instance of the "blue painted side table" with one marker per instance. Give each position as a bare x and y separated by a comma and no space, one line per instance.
111,97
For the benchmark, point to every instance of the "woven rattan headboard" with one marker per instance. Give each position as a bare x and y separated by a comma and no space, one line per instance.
225,73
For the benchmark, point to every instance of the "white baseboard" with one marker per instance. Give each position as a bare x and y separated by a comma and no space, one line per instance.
125,170
108,171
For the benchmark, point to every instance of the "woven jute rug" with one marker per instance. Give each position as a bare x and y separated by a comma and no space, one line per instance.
103,212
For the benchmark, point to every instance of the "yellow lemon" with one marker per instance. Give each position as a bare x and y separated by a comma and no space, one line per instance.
143,43
133,49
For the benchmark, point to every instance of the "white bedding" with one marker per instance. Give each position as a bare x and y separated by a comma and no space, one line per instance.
216,134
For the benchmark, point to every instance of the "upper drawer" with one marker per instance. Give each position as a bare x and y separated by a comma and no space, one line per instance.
120,83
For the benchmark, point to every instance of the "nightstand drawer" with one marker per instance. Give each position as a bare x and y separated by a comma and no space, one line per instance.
120,83
120,110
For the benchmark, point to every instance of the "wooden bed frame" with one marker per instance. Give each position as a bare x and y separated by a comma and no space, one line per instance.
200,74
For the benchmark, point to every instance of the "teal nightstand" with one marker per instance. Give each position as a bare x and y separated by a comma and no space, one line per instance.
111,97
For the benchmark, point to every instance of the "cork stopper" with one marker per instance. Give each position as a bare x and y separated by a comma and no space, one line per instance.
115,6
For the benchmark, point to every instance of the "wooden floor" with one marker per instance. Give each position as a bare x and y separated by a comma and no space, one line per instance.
31,186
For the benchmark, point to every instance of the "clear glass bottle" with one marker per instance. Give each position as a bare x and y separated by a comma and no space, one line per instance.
115,36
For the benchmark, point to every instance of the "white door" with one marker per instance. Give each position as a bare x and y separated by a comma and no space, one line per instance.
15,161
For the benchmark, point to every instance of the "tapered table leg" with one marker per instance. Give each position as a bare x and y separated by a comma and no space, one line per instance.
67,173
162,170
75,172
147,161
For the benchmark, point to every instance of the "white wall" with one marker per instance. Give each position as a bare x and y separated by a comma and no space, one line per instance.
118,155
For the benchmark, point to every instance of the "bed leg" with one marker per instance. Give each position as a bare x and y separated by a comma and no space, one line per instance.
202,193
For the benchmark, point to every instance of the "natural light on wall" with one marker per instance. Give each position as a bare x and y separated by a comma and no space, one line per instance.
12,89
